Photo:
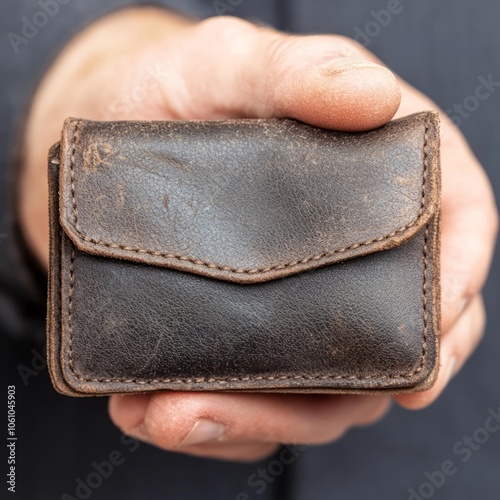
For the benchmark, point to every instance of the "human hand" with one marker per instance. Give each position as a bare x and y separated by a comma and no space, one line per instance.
227,68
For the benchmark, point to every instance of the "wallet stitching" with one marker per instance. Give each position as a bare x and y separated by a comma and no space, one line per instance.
239,270
213,380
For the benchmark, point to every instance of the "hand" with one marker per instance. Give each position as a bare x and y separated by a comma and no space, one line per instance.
228,68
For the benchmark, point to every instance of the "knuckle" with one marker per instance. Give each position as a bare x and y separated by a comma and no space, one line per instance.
154,424
332,435
326,433
485,198
495,219
225,27
152,427
279,50
227,37
157,431
348,47
377,412
481,318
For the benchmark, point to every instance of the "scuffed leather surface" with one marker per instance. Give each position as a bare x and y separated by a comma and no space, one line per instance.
244,201
365,321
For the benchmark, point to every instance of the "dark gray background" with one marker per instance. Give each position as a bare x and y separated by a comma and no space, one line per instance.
442,47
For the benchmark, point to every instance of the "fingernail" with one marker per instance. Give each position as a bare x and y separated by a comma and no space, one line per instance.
202,432
344,64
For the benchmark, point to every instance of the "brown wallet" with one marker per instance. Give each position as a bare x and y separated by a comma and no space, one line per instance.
244,255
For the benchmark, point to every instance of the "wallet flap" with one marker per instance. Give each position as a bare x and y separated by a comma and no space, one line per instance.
246,201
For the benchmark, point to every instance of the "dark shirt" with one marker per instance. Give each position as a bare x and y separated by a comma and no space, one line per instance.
440,47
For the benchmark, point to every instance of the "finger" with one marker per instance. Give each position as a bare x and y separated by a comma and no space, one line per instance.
128,412
456,347
231,68
469,222
177,420
469,230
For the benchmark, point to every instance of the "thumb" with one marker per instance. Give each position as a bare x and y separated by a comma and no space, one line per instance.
235,69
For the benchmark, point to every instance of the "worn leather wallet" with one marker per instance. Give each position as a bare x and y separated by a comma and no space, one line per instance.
244,255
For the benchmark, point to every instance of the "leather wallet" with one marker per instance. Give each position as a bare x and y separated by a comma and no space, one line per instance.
244,255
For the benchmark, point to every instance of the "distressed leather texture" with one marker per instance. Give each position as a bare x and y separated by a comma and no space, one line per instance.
244,255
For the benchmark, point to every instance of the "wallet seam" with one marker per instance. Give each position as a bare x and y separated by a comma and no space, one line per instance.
213,380
253,378
239,270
